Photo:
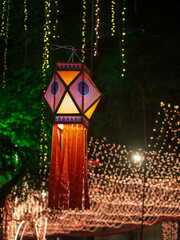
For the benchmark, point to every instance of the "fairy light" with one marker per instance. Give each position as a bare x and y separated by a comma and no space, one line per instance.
56,21
4,33
25,15
123,13
45,66
83,30
115,187
112,17
96,28
170,230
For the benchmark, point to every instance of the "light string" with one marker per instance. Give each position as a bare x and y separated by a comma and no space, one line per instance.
5,33
83,30
170,230
96,28
112,17
45,66
115,186
25,15
2,33
123,13
56,21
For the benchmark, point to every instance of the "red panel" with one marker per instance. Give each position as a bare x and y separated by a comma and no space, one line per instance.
84,101
54,94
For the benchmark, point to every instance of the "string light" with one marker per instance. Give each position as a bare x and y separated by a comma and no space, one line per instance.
4,33
56,21
112,17
96,28
83,30
170,230
123,13
115,187
25,15
45,66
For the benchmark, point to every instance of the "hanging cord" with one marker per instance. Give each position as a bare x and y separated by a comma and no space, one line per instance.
55,47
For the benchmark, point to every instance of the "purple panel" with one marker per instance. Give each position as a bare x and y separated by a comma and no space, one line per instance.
68,119
83,88
84,101
54,88
54,92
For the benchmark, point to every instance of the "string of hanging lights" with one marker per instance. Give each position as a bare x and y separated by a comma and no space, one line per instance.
4,33
123,13
96,28
113,2
25,15
45,66
55,36
170,230
83,30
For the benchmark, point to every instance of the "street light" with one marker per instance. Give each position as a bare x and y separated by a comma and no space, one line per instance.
139,158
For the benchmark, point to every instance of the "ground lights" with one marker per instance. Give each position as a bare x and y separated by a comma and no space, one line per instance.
115,188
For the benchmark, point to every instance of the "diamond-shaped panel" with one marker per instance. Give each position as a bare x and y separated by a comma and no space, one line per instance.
84,92
54,92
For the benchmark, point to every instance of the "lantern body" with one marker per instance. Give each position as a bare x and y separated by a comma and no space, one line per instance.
73,97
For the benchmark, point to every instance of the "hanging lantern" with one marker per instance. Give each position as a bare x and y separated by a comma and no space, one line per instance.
73,97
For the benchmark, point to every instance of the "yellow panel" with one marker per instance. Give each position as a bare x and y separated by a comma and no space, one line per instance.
89,113
68,76
67,106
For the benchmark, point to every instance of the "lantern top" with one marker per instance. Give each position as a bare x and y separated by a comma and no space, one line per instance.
72,95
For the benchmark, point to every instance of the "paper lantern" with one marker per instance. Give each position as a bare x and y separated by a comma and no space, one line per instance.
73,97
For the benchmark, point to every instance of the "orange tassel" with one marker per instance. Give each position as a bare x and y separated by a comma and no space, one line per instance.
68,173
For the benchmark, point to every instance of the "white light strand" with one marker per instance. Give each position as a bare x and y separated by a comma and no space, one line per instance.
96,28
170,230
123,14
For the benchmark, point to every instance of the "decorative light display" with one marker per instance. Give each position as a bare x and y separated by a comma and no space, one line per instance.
170,230
113,2
115,189
4,33
25,15
83,30
73,98
123,38
45,65
96,28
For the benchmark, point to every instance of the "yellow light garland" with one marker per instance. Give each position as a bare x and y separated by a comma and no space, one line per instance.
25,15
2,33
83,30
56,21
112,17
45,65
